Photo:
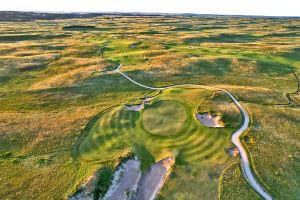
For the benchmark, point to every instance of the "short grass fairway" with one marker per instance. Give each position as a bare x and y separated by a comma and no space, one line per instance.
164,118
198,150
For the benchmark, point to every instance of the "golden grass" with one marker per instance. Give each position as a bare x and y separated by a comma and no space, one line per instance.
69,78
50,88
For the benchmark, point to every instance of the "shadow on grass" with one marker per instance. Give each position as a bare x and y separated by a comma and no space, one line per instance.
273,68
105,175
87,51
216,67
200,28
85,28
95,86
294,54
150,32
180,159
144,155
4,79
283,35
223,38
24,37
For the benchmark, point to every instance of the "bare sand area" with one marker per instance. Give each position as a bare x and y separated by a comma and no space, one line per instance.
210,120
138,107
130,184
152,180
125,181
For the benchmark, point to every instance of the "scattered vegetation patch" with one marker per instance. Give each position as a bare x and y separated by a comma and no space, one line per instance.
105,176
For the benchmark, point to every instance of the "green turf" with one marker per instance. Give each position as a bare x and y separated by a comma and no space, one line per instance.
119,130
197,149
164,118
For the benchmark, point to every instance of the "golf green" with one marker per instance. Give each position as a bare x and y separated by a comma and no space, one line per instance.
164,117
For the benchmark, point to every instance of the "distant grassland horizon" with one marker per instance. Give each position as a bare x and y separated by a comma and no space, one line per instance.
54,85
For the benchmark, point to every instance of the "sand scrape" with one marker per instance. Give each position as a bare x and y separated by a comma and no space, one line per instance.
86,191
125,181
210,120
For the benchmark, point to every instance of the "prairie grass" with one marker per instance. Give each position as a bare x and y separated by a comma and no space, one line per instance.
53,82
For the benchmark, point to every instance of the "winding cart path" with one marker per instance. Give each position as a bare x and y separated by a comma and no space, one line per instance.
247,173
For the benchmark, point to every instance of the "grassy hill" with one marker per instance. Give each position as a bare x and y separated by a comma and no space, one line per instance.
55,90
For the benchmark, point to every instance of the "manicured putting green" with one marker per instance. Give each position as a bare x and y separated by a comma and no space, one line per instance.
164,117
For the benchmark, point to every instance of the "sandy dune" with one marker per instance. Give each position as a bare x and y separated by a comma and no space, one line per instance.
152,181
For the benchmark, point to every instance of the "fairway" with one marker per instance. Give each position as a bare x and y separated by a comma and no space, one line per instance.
164,118
118,131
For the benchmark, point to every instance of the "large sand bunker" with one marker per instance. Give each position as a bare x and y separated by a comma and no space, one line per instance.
210,120
128,184
136,107
152,181
125,181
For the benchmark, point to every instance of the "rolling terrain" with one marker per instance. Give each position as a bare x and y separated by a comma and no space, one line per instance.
63,119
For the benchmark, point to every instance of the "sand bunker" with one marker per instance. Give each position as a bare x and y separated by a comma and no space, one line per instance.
138,107
128,184
152,181
233,151
209,120
106,43
134,45
125,181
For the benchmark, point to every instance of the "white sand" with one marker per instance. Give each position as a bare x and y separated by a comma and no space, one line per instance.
152,181
233,151
125,181
136,107
209,120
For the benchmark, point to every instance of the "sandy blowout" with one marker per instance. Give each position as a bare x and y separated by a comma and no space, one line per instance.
210,120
